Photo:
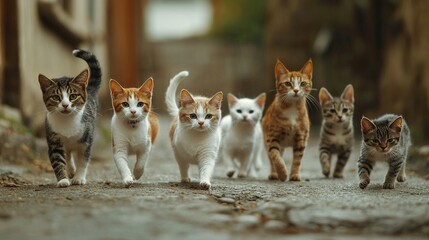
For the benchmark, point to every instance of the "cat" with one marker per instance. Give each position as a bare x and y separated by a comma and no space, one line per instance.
195,132
336,134
286,122
72,106
241,134
387,139
134,127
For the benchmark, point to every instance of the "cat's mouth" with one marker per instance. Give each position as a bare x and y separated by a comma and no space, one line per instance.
65,112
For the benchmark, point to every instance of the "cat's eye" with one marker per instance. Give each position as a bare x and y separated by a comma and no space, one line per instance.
56,98
303,84
390,140
239,110
251,111
288,84
332,110
73,96
209,116
345,110
140,104
193,116
125,104
375,141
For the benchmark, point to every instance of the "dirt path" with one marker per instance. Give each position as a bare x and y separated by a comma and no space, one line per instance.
158,207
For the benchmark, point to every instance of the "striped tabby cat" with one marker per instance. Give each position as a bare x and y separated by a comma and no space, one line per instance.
195,131
386,139
134,127
286,122
336,135
72,106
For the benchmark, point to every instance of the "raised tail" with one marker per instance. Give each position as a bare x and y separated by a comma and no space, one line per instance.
170,95
94,68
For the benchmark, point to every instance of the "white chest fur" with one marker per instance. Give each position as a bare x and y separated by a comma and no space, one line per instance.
133,138
68,126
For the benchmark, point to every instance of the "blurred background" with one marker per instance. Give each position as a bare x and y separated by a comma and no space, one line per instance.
379,46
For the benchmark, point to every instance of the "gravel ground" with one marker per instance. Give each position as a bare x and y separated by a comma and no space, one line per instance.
159,207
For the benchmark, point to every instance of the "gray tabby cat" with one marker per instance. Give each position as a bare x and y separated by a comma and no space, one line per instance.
336,135
384,139
72,106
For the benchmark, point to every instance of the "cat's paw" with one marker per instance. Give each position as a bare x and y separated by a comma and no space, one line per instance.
128,181
338,175
389,185
185,180
63,183
281,173
295,177
205,185
242,175
71,172
363,183
78,181
401,178
273,176
230,173
138,172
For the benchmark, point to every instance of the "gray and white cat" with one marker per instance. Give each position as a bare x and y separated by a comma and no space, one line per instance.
336,134
385,139
242,144
72,106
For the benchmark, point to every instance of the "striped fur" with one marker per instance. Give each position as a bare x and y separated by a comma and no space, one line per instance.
72,106
336,135
286,122
386,139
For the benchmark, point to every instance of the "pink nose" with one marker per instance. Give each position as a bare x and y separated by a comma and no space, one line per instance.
296,91
201,123
65,105
133,112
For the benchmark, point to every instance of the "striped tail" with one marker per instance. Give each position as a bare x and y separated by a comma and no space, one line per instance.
94,68
170,96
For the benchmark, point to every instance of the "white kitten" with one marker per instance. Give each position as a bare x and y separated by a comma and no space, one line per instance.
195,133
242,144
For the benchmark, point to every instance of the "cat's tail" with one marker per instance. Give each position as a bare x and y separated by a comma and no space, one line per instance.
94,68
170,96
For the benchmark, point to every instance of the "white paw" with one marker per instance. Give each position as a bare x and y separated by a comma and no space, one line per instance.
205,185
128,181
78,181
63,183
185,180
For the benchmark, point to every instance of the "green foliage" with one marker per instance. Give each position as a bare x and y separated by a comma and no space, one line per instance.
239,21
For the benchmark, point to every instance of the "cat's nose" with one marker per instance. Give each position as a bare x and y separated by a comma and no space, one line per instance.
201,123
245,117
296,91
133,112
65,105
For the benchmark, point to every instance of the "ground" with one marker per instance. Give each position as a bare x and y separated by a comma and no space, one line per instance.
159,207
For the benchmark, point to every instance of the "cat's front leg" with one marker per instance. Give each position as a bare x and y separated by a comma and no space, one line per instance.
298,152
82,159
229,165
364,170
394,167
343,157
206,164
141,161
245,163
278,167
121,160
57,156
325,159
71,167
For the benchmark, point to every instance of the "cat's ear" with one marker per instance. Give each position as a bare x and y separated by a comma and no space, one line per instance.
348,94
367,125
279,69
396,125
82,78
147,87
115,88
216,100
45,82
260,100
231,100
186,98
307,69
324,96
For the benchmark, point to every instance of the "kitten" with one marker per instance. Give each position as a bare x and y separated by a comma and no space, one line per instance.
134,127
336,135
387,139
286,122
195,133
72,106
242,133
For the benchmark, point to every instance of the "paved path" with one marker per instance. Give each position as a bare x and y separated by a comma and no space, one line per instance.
158,207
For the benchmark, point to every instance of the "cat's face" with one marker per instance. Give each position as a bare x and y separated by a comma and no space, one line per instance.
64,95
337,110
131,103
381,138
200,113
245,110
293,84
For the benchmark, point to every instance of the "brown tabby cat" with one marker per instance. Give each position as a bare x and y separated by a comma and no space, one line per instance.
286,122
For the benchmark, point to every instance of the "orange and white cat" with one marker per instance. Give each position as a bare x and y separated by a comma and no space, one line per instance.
134,127
286,122
195,133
